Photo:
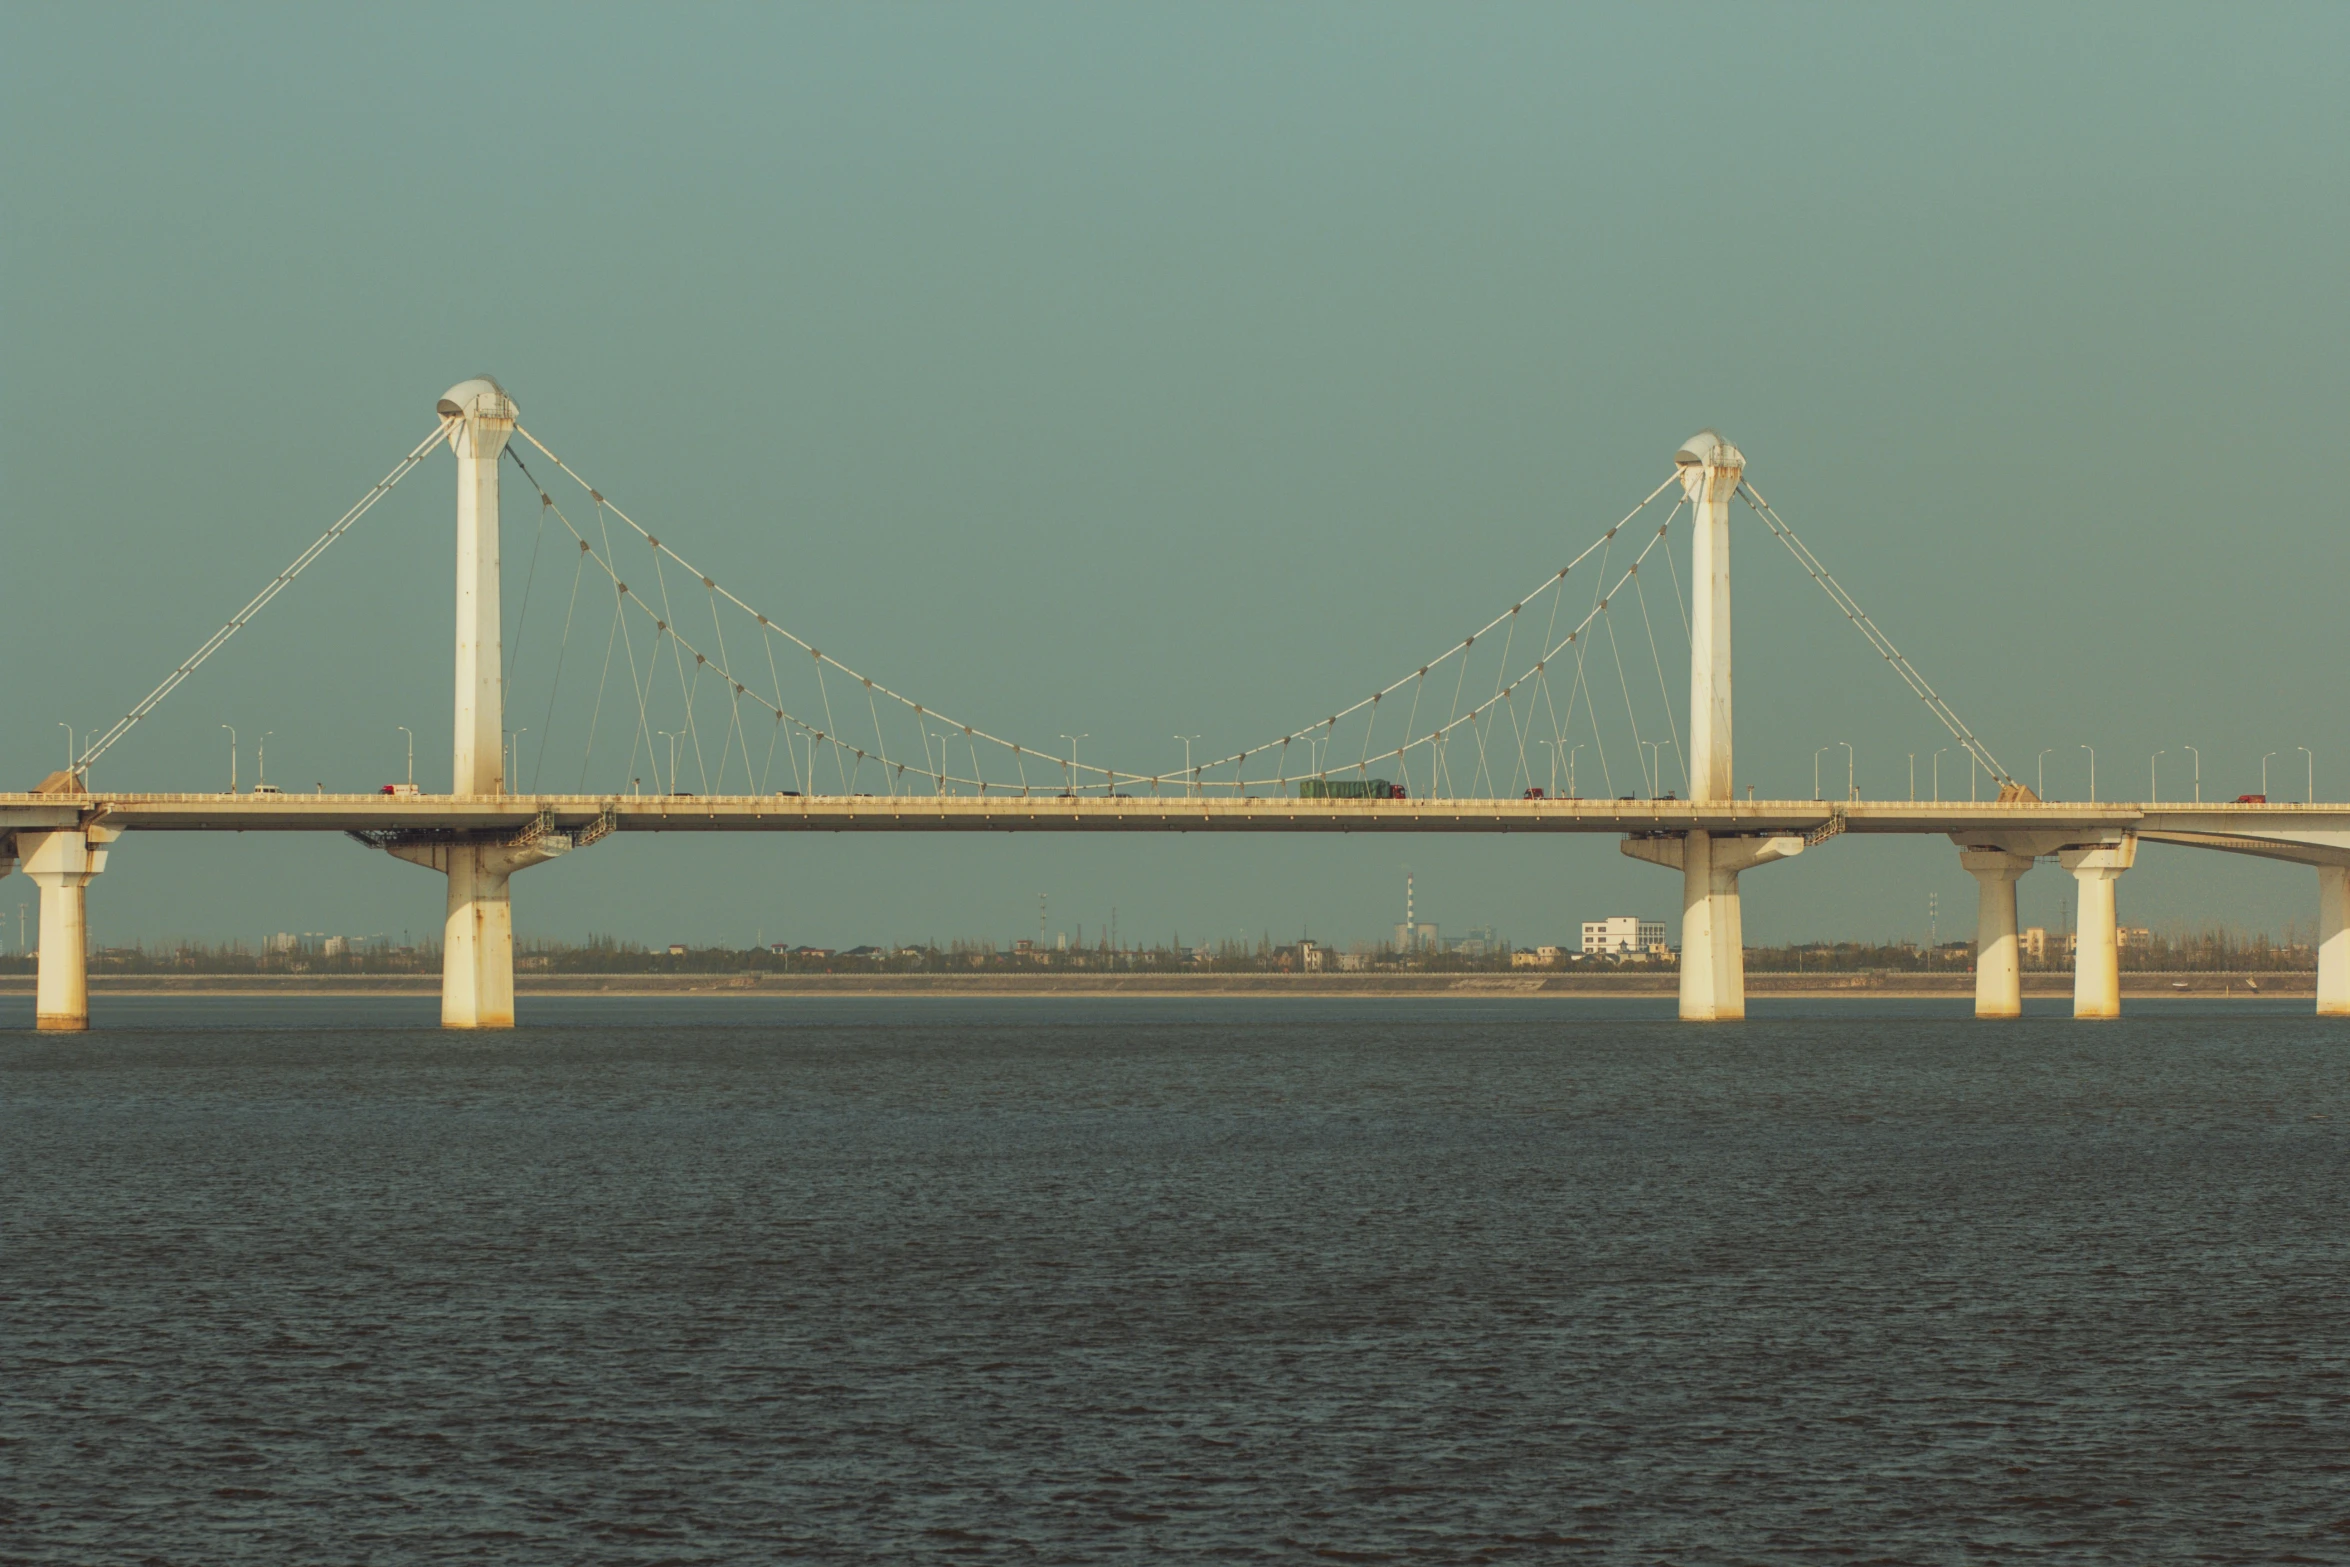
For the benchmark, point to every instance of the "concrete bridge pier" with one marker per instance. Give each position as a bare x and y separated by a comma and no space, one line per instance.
2097,969
2333,941
1713,950
61,864
1999,979
477,942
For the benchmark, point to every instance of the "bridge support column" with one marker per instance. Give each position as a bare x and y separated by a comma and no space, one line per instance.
2097,969
477,951
1713,951
61,864
1999,980
2333,941
477,942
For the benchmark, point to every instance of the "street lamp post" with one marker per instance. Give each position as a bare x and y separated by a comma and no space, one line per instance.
2153,784
514,765
411,734
1938,775
1913,778
232,759
2264,774
2041,762
1851,790
1815,769
1069,768
261,758
2309,797
2092,750
1188,781
2198,772
1571,750
1655,764
670,736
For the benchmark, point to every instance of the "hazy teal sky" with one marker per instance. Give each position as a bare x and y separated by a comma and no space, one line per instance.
1140,370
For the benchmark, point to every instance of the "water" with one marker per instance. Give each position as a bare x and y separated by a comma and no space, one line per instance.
746,1280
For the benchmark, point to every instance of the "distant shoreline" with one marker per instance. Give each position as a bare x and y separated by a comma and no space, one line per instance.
1175,986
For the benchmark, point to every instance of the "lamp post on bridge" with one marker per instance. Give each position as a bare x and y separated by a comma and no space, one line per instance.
2041,763
2309,796
411,734
1188,780
1069,768
1938,775
2264,775
1815,769
1571,794
671,735
232,759
2153,779
2198,772
2092,750
1851,789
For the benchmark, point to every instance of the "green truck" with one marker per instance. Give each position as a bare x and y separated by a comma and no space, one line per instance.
1348,789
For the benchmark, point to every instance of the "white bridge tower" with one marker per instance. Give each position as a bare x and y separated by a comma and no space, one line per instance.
1713,954
477,951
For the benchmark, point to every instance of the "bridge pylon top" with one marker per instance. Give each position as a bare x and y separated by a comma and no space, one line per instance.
479,398
1707,449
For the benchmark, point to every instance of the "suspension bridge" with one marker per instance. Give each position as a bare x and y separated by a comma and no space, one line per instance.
1487,736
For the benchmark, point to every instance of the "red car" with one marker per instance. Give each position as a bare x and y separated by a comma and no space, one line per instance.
2252,799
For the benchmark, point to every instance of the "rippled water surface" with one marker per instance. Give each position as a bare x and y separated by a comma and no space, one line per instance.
733,1281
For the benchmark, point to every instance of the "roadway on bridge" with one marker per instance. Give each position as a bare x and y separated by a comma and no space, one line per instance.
2249,825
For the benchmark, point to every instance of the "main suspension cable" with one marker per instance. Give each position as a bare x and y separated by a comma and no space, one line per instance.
1876,639
260,601
1105,778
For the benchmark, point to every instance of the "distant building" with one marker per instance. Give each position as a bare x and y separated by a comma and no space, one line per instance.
677,949
282,942
2133,936
1310,956
1622,934
1417,938
335,947
1479,942
2037,944
1353,962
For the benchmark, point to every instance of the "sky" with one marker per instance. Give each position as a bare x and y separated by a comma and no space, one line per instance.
1151,370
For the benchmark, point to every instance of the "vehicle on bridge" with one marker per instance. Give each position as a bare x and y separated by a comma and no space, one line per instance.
1348,789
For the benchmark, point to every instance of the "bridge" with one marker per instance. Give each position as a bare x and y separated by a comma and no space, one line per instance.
1474,769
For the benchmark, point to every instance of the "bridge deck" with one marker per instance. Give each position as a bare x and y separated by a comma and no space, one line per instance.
1168,813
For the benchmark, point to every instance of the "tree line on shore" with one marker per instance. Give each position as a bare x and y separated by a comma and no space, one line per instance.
2214,950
